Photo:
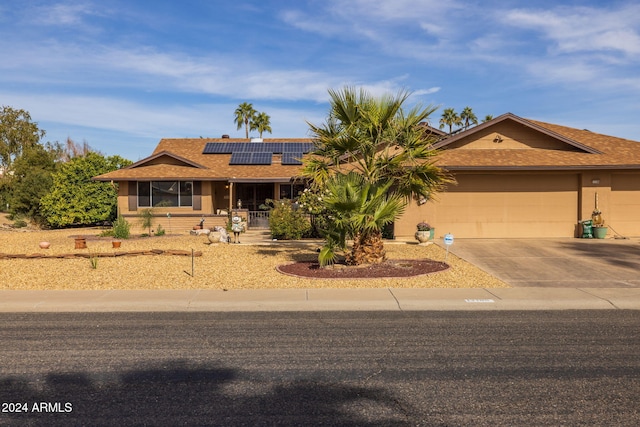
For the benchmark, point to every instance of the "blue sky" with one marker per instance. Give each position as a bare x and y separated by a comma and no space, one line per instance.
122,74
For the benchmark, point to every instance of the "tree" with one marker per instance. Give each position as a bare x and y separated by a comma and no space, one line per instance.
371,158
487,118
261,122
17,133
75,199
244,116
467,116
30,180
450,118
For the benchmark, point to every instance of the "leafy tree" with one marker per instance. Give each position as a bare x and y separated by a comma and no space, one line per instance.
244,116
17,133
371,158
75,199
30,180
450,118
468,117
262,123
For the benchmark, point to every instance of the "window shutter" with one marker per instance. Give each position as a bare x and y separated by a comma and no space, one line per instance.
133,195
197,195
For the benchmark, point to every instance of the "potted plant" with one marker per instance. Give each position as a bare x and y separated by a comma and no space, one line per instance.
425,232
598,227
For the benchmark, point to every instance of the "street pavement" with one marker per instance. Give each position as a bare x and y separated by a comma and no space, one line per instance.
427,368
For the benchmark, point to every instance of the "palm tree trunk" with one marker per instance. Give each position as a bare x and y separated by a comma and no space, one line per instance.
367,248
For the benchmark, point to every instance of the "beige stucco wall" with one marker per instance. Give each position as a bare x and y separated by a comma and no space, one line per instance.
509,135
182,218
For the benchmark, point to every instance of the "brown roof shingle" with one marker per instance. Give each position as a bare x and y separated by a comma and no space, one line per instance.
572,149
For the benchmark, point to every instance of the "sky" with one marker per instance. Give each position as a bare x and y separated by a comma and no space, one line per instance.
123,74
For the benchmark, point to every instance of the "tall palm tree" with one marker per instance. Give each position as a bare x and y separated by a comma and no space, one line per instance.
371,158
467,116
262,123
244,115
450,118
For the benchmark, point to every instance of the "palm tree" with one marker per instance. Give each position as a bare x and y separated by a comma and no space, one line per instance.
487,118
244,115
450,118
371,158
467,116
261,122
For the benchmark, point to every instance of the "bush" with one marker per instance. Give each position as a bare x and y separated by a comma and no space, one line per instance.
121,228
287,223
160,231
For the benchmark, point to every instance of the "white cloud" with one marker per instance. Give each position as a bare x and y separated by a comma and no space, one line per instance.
584,29
64,14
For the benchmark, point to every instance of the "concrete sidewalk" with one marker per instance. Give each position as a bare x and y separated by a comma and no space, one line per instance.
529,298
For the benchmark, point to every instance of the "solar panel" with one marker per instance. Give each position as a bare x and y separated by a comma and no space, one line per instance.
250,158
291,158
261,158
214,148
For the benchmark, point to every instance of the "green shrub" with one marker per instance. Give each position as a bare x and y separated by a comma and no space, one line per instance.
121,228
160,231
20,223
287,223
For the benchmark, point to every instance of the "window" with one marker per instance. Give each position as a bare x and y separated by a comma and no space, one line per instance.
291,191
165,193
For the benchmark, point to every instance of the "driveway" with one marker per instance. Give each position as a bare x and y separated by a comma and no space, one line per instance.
574,263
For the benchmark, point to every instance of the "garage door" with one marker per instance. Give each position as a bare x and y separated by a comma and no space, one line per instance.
492,206
624,214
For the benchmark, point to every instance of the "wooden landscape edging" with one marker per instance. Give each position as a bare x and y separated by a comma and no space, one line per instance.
101,254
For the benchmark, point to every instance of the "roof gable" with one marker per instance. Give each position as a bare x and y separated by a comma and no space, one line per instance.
165,158
510,132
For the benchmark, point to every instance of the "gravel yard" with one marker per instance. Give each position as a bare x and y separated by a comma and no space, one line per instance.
221,266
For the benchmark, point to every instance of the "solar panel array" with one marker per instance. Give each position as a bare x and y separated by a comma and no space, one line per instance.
269,147
259,153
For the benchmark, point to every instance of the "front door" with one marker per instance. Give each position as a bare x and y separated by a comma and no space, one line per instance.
253,195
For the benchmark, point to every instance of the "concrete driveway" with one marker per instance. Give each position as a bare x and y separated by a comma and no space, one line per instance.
575,263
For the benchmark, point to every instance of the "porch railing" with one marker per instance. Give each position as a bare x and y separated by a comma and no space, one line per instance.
258,219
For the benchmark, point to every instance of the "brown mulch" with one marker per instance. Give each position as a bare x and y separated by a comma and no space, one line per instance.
389,268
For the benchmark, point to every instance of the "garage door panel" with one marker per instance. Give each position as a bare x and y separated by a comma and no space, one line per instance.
510,206
624,213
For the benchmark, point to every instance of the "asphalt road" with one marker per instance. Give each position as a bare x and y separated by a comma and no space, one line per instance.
364,368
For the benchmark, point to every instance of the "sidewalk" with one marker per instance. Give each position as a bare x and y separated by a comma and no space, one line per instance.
529,298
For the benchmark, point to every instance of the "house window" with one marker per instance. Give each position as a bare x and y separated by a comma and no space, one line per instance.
291,191
165,193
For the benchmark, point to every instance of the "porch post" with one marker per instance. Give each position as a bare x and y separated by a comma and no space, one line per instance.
230,196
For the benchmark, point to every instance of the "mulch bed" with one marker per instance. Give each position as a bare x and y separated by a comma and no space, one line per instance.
389,268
